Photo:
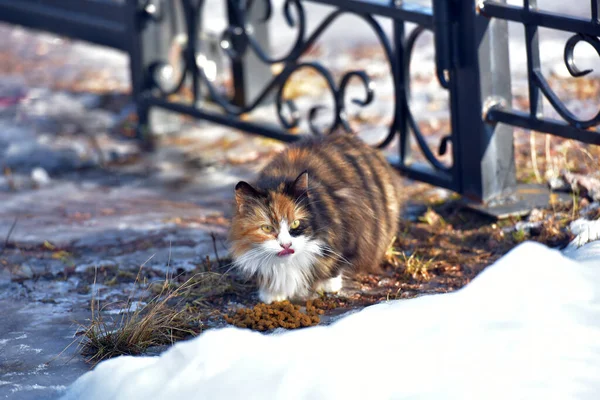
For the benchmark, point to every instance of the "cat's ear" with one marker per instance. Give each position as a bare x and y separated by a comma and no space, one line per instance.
244,192
300,186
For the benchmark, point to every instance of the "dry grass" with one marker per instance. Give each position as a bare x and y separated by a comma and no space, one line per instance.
176,310
412,265
163,320
416,266
540,157
392,253
200,289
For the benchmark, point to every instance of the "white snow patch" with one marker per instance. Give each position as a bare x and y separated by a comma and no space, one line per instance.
586,231
585,248
527,327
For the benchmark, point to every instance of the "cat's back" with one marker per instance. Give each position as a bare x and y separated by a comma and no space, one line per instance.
337,161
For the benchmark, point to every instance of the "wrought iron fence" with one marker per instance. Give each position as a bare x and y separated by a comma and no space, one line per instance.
471,61
587,31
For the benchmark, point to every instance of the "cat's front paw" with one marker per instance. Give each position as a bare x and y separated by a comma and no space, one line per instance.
331,285
269,297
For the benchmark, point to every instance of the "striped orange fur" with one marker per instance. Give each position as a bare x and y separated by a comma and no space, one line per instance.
333,201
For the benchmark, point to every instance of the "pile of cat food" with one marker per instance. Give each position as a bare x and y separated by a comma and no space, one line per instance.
264,317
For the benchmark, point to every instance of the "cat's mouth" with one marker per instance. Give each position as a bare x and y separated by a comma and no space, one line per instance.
285,252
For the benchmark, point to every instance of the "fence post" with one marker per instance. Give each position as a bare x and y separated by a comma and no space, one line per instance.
152,31
480,79
249,73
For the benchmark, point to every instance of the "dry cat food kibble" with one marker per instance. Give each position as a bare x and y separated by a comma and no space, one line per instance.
263,317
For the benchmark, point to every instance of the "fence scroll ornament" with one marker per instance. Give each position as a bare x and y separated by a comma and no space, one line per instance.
575,72
236,40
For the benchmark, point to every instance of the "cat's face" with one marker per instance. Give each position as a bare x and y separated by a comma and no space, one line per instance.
272,229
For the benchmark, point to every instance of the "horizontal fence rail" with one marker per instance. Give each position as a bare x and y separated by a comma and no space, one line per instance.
98,22
168,47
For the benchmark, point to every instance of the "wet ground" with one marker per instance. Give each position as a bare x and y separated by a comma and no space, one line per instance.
33,363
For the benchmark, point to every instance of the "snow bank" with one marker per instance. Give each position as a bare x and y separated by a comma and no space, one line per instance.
527,327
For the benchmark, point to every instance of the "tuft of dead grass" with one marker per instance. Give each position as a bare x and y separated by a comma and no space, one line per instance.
417,267
201,289
539,161
163,320
392,253
433,219
176,309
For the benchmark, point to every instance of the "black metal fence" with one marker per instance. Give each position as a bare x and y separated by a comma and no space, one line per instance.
471,57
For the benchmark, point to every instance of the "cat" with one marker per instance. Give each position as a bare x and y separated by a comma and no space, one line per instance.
322,207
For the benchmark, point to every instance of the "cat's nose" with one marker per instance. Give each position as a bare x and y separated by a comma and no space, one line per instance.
285,245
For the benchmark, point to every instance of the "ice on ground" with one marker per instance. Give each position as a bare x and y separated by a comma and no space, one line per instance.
134,306
526,327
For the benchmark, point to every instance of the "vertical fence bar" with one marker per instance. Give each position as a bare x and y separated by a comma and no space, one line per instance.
532,47
595,9
249,73
153,29
402,91
137,69
194,18
480,77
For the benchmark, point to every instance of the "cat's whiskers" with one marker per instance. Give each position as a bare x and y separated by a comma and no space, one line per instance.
231,266
241,259
249,262
329,251
299,200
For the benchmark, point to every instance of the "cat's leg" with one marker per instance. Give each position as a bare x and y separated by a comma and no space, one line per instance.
331,285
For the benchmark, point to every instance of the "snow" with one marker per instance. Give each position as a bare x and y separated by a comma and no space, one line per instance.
526,327
585,248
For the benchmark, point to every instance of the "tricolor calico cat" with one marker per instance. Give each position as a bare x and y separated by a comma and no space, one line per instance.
322,207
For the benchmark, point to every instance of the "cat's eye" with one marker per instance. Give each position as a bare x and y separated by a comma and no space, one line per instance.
295,224
267,228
